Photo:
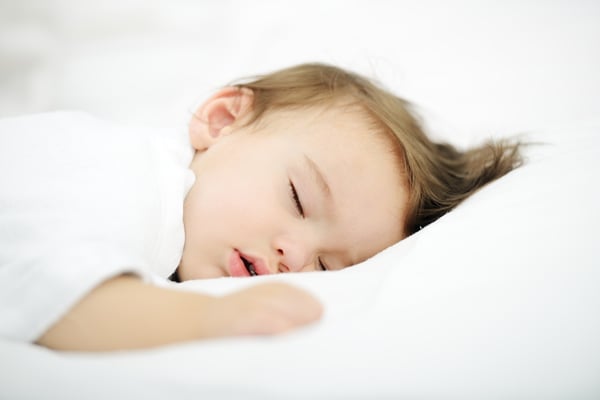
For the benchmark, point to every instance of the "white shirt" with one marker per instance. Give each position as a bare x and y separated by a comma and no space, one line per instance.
81,201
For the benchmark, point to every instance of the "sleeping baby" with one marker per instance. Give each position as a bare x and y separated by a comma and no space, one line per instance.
310,168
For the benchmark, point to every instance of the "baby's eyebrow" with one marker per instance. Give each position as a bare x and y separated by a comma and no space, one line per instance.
319,177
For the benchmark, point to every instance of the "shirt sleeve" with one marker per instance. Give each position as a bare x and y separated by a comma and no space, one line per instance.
79,204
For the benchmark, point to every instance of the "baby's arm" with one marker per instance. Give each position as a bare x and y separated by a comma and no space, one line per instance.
126,313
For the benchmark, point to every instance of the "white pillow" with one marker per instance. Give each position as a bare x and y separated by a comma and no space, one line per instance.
497,299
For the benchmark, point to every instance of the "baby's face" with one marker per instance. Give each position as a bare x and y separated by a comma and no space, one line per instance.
302,190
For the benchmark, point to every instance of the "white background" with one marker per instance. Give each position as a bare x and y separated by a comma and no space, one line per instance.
475,68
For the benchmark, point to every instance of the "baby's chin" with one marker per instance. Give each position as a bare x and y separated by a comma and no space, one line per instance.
189,271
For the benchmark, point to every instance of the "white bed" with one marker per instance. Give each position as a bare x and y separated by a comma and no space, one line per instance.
499,299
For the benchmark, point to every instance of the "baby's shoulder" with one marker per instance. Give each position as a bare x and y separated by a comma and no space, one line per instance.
56,115
47,121
69,124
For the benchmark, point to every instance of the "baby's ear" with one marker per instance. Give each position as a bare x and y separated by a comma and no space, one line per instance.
216,117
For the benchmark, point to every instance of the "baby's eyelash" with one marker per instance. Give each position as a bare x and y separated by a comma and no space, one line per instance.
296,199
322,265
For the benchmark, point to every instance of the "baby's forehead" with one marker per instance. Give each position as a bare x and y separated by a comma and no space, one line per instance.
343,114
323,108
342,123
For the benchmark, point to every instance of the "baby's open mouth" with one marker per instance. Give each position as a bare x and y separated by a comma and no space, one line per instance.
249,267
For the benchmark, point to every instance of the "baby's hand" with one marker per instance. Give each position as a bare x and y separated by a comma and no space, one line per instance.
155,316
268,308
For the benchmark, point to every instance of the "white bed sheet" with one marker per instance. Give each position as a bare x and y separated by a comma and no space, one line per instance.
498,299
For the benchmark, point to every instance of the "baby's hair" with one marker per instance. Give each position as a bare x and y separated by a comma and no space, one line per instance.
439,175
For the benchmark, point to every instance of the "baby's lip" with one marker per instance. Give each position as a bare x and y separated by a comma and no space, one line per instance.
260,267
236,265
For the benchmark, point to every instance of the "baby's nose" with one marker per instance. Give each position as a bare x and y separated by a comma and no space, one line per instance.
292,256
